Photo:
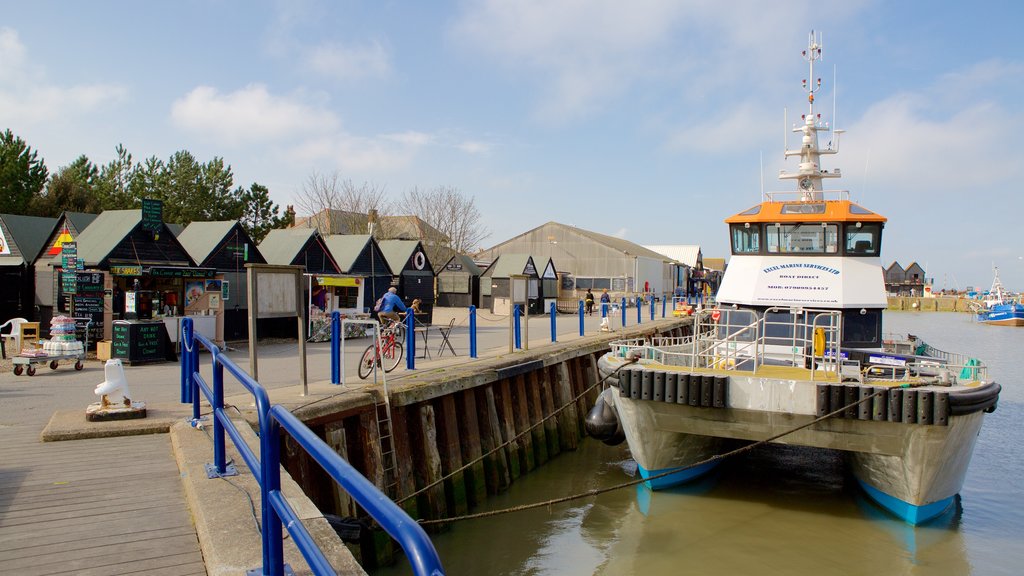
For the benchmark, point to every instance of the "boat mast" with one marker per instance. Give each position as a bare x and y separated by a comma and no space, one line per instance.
809,176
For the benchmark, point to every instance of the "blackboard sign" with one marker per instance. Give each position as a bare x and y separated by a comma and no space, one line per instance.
139,342
90,283
152,214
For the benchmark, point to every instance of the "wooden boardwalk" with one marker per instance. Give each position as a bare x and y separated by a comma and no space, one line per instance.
99,506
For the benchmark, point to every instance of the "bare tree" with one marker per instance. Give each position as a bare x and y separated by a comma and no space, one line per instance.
337,206
451,213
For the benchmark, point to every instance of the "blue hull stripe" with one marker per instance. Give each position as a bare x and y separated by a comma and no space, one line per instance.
909,513
681,477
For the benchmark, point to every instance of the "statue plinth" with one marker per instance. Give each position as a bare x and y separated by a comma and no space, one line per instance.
97,412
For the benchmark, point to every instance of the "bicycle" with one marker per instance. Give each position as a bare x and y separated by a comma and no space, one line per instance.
385,352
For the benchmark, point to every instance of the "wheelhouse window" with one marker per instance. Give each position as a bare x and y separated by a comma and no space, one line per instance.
810,238
863,239
746,239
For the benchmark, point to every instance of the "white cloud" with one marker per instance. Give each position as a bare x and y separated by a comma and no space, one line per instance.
357,154
620,233
27,97
474,147
930,140
249,114
371,60
586,54
411,138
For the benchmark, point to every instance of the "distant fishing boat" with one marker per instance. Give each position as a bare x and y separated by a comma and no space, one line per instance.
1000,309
796,339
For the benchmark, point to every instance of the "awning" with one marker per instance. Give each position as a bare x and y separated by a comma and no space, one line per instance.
338,281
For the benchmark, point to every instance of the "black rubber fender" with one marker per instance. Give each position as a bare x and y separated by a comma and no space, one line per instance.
602,421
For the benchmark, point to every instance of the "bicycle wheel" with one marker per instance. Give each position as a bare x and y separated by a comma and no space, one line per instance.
391,355
366,362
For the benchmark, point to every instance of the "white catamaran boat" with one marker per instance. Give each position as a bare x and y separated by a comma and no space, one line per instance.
796,340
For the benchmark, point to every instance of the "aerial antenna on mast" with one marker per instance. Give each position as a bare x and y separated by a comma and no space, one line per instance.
761,172
835,90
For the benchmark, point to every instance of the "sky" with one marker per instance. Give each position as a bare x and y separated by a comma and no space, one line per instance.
650,120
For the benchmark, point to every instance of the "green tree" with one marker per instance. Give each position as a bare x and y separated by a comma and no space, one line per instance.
260,215
22,174
72,188
113,188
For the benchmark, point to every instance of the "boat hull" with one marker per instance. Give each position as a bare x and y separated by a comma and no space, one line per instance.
1003,315
913,470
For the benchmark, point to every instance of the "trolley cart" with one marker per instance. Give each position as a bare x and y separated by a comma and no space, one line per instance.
26,363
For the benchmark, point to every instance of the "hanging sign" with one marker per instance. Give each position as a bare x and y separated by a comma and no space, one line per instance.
152,214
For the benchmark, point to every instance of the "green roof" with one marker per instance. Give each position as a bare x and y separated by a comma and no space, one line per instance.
29,233
508,264
467,264
398,252
79,220
282,246
200,239
346,248
100,238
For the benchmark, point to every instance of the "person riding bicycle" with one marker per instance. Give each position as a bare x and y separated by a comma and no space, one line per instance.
389,303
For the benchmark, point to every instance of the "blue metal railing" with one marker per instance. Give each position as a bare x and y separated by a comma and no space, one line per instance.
266,468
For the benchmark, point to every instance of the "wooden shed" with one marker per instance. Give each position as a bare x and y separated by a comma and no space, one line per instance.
412,272
458,283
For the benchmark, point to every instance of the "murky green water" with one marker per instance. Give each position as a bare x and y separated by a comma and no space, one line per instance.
778,510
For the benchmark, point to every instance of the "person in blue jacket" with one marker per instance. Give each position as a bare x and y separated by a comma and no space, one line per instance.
391,304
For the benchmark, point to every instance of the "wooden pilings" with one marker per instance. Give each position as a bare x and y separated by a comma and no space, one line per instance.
459,439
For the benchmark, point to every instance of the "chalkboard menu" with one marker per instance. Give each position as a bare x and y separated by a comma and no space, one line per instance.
152,214
90,282
139,342
90,307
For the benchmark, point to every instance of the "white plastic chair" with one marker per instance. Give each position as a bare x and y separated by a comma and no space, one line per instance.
14,335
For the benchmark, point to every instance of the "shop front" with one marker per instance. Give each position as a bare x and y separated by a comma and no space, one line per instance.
334,293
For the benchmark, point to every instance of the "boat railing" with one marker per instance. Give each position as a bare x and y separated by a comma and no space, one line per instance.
733,339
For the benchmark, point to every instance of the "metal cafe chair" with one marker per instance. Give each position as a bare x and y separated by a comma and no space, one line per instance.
445,332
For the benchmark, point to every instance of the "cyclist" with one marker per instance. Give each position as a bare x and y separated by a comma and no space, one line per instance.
389,302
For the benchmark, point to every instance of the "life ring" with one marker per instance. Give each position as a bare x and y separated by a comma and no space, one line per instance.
716,314
419,260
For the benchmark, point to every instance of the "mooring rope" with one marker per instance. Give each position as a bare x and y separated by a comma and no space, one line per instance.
715,458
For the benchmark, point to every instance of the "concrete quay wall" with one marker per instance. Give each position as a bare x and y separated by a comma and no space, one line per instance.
933,304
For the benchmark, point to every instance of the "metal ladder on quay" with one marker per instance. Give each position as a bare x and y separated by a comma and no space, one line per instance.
385,435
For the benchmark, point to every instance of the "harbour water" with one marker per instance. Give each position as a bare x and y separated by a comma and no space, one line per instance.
778,510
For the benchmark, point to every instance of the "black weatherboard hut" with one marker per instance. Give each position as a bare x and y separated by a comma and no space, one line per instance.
458,283
226,247
360,255
414,274
21,240
496,283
